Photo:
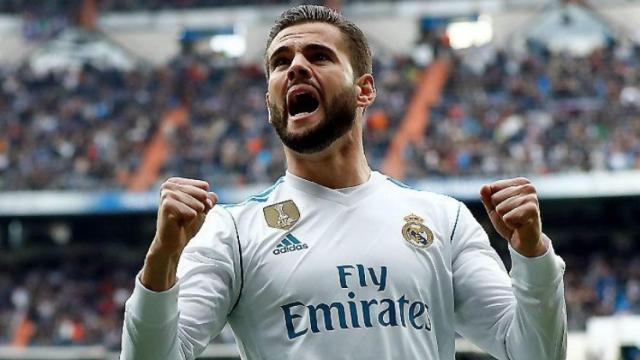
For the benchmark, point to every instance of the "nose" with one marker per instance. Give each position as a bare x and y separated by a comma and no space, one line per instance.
299,69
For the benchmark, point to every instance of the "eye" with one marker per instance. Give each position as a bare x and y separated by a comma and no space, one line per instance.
278,62
320,57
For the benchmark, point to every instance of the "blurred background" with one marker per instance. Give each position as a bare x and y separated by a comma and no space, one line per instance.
101,100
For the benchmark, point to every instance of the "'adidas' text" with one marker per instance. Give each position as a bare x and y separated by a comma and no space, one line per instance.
288,244
282,250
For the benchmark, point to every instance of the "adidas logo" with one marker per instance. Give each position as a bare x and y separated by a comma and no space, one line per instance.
288,244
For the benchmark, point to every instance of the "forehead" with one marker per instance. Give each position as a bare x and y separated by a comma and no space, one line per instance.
312,32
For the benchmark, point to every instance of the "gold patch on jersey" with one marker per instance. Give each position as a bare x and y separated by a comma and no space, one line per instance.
416,232
282,215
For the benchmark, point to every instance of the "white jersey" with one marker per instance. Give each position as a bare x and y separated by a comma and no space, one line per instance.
378,271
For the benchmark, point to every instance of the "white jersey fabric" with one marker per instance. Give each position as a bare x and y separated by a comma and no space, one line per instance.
382,271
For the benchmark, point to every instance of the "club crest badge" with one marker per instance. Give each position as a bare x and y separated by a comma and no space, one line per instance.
282,215
416,232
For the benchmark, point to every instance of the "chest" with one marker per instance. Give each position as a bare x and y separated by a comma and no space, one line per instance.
338,253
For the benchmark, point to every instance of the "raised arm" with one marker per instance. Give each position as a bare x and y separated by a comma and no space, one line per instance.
188,283
517,317
184,203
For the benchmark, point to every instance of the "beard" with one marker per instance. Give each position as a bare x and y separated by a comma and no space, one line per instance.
340,113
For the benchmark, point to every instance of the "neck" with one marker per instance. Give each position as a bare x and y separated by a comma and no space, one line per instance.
342,164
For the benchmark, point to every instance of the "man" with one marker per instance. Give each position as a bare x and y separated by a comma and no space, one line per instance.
335,261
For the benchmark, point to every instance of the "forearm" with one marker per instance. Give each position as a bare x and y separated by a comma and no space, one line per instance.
151,325
516,317
159,270
539,323
154,328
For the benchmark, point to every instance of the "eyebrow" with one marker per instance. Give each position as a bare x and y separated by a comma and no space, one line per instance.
308,47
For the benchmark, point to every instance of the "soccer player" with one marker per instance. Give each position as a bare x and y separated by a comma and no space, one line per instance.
336,261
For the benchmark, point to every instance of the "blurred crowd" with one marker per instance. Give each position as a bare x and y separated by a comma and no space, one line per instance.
76,130
535,114
601,287
83,304
72,304
69,305
88,128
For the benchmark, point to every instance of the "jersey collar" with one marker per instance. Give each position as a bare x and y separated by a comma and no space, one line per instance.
346,197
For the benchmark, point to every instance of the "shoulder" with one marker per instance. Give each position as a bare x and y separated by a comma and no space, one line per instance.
248,214
399,188
253,202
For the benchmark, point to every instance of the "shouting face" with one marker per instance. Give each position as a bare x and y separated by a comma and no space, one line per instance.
312,97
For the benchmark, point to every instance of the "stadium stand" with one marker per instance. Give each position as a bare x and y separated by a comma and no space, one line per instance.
88,129
539,114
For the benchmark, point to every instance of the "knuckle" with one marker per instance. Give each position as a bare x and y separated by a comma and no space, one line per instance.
166,206
529,188
524,180
171,201
169,185
199,194
512,218
164,194
523,199
190,214
170,194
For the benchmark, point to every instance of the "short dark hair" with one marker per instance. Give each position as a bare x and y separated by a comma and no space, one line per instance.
360,53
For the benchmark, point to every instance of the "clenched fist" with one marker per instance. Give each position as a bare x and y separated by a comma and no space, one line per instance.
184,203
183,206
514,211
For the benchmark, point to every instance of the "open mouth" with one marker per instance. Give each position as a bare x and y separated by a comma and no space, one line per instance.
302,102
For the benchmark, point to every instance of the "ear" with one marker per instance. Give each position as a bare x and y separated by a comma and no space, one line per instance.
366,90
266,98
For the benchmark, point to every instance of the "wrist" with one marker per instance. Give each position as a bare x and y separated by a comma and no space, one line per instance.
533,250
159,270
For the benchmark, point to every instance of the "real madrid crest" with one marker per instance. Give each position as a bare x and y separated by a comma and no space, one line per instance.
282,215
416,233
